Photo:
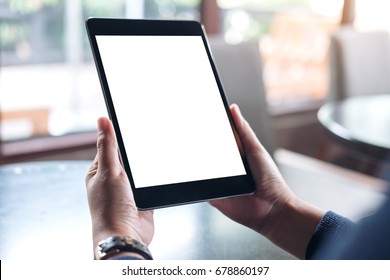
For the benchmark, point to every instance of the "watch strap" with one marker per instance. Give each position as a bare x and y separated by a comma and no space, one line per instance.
118,244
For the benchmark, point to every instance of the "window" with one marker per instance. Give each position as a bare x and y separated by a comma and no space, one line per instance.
372,15
48,82
294,40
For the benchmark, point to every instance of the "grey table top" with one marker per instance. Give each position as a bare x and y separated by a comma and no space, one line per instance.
43,209
362,121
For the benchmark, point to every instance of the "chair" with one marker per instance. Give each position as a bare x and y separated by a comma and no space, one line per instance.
359,63
240,71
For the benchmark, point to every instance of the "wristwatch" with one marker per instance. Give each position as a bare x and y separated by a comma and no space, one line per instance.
117,244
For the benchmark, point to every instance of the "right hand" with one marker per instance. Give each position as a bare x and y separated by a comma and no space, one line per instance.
273,210
271,194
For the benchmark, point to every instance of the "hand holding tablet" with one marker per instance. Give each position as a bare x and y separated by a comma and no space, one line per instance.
175,134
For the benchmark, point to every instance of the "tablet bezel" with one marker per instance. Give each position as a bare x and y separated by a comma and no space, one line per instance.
178,193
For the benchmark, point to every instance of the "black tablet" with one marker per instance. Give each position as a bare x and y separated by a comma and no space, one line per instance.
175,134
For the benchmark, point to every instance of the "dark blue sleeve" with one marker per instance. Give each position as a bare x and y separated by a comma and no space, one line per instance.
338,238
372,239
331,229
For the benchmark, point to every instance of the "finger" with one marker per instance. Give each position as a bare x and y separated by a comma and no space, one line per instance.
107,149
260,161
248,137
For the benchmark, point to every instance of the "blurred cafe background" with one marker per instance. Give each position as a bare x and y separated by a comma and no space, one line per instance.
50,95
311,76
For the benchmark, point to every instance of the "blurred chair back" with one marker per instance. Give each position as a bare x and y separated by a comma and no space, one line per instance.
239,68
359,63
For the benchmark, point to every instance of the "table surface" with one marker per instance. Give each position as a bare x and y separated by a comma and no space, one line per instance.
44,212
361,120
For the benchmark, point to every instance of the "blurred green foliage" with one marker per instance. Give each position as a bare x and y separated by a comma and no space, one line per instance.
29,6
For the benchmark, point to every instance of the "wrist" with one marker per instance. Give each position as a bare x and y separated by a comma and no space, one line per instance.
101,231
292,224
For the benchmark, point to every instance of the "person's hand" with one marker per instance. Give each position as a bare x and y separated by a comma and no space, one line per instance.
273,210
271,190
110,197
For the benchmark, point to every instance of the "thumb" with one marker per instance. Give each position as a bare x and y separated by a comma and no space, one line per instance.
107,148
249,139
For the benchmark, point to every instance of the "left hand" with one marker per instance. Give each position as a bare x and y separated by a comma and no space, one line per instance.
110,197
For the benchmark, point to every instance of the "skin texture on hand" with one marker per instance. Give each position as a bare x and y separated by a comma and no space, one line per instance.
273,210
110,197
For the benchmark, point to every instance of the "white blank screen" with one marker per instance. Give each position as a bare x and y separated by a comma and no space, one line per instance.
169,109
